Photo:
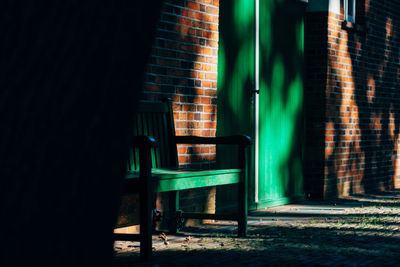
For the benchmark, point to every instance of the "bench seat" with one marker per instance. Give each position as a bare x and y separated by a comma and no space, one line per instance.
165,180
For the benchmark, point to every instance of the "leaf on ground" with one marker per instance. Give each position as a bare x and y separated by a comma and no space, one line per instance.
163,236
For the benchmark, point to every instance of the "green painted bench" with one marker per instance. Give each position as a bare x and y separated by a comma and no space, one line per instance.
153,167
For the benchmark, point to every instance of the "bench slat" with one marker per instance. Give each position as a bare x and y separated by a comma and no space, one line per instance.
191,182
172,174
171,180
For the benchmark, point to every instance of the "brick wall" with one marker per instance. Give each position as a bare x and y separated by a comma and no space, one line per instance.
353,108
183,66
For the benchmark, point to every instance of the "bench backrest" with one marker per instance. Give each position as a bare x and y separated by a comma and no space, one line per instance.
156,119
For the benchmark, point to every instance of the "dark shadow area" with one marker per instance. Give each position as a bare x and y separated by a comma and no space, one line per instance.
70,77
316,62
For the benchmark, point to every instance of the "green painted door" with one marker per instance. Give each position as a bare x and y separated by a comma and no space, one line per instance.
280,117
277,178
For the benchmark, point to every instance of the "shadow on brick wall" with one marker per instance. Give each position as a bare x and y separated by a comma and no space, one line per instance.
377,98
362,121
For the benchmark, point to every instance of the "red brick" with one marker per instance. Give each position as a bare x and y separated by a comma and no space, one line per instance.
212,10
182,116
211,76
182,150
190,116
205,117
206,84
185,12
184,30
209,108
210,125
205,100
192,14
194,6
211,92
199,16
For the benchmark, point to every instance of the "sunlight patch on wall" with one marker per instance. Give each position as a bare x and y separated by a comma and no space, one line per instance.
370,89
389,28
397,164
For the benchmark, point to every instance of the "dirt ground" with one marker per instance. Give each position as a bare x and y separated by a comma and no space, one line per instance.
355,231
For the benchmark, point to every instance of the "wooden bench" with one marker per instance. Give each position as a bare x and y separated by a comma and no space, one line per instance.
153,168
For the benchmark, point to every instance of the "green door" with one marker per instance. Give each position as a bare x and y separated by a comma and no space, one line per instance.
280,116
271,61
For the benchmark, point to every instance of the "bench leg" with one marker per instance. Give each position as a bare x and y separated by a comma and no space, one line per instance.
242,207
173,208
242,211
146,202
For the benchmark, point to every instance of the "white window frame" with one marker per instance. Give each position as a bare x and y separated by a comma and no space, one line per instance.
350,17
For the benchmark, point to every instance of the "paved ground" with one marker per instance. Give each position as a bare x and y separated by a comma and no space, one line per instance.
356,231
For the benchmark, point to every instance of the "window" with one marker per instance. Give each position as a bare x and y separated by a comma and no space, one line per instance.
350,10
354,15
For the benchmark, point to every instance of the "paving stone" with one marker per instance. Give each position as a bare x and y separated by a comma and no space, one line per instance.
355,231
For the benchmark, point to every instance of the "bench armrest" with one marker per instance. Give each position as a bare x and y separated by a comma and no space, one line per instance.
144,142
243,140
